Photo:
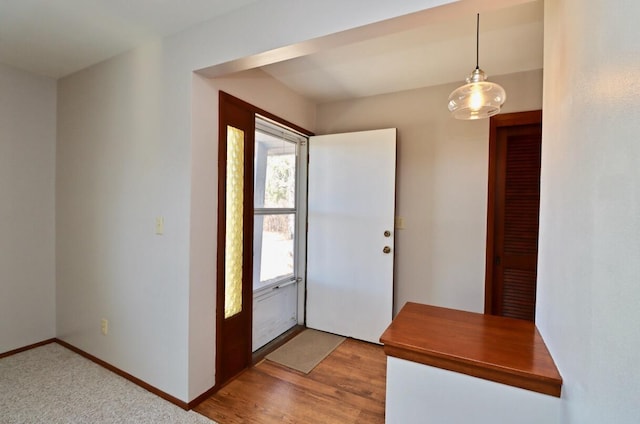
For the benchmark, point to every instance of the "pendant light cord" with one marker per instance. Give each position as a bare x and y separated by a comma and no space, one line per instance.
478,41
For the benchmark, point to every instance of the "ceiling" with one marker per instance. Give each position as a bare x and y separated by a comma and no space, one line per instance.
57,37
511,40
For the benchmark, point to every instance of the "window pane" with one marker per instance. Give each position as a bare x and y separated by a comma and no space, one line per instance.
234,228
273,245
275,172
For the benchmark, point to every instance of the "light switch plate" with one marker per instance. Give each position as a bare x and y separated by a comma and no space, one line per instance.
159,225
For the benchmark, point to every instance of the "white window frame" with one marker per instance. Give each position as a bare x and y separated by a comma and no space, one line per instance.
277,130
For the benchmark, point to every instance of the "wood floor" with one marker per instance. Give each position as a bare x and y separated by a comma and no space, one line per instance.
347,387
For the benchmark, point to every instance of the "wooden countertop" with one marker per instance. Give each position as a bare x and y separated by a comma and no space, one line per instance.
499,349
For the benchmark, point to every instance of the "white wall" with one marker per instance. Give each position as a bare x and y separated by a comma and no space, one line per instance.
125,156
27,207
441,185
117,171
588,305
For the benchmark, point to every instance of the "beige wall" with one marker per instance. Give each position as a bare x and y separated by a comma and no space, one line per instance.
588,306
441,185
27,208
116,172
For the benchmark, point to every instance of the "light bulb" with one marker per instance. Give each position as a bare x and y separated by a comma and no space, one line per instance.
476,98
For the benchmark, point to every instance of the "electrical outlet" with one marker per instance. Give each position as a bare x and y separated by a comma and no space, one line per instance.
104,326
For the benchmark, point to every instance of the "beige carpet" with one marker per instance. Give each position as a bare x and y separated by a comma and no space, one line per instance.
53,385
306,350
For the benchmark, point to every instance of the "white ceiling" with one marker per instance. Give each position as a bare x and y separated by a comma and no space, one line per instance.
511,40
57,37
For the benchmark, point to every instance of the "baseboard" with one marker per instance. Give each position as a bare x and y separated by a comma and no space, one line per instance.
206,395
212,391
184,405
25,348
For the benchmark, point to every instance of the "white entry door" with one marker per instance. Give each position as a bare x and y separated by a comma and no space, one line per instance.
350,237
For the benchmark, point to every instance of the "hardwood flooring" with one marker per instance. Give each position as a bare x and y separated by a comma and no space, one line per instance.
347,387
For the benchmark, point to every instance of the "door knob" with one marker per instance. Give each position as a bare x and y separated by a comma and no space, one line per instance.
386,249
387,233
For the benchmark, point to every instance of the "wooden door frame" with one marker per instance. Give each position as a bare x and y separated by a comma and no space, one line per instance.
495,123
248,220
247,306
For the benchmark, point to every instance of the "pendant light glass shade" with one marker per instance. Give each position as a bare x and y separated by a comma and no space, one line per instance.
478,98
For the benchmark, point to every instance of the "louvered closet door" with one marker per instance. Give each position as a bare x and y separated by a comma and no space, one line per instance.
517,206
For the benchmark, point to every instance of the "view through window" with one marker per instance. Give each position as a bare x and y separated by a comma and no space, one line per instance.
275,204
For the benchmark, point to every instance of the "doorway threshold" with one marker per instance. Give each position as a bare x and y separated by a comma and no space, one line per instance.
260,354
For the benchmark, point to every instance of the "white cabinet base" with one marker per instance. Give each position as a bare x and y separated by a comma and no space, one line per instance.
422,394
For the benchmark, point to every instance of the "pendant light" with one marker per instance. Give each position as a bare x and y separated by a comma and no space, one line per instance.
478,98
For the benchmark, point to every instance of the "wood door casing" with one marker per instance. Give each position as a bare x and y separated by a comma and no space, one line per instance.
234,334
513,212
